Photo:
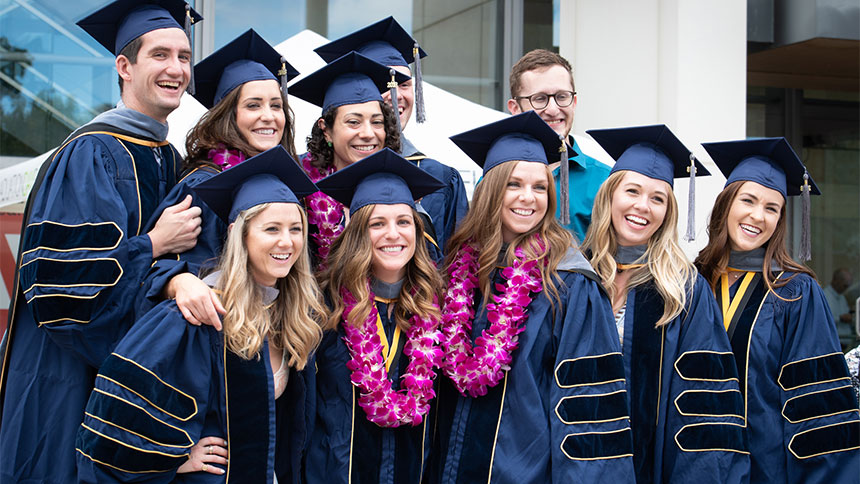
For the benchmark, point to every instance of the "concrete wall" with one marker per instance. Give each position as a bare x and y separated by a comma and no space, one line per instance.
677,62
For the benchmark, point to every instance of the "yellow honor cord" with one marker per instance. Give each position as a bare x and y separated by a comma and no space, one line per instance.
387,355
730,307
624,267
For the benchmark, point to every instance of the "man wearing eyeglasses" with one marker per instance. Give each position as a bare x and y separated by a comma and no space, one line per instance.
543,81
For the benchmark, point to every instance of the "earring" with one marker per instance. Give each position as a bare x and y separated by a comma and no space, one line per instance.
328,143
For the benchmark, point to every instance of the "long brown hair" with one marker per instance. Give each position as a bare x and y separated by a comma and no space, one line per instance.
218,127
667,266
322,155
482,226
349,266
713,260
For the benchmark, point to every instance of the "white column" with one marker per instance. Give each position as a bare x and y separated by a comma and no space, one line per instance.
677,62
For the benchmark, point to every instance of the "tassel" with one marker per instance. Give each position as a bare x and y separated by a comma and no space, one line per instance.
805,234
691,202
420,113
564,182
282,79
392,88
187,27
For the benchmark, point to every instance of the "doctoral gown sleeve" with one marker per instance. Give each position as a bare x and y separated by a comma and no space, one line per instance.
212,234
457,207
820,423
83,260
149,402
704,439
591,439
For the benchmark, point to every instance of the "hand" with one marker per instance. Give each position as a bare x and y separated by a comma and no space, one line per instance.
176,230
207,451
198,302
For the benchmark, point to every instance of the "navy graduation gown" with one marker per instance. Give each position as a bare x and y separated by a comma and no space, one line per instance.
447,205
167,385
213,232
346,447
559,415
801,411
84,254
686,408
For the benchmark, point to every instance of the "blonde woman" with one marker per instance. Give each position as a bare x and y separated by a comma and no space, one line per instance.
534,386
681,379
377,362
247,114
800,410
176,402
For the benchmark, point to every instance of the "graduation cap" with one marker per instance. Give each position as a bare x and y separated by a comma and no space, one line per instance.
384,178
351,79
388,43
524,137
117,24
270,177
653,151
772,163
246,58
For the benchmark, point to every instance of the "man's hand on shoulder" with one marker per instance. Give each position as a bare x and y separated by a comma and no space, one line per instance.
176,230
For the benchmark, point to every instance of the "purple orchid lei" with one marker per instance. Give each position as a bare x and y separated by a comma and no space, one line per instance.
323,211
474,370
225,158
383,405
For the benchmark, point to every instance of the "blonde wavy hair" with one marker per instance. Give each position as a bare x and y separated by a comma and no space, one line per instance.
349,266
482,226
667,266
292,322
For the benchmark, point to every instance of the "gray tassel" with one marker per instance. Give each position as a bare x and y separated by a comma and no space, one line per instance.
392,88
691,202
805,234
420,113
191,89
282,79
564,182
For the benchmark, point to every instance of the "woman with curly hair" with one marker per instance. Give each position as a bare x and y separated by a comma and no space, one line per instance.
181,403
241,85
685,407
354,124
535,388
801,413
377,362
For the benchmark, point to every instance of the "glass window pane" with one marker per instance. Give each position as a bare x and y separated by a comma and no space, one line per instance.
53,76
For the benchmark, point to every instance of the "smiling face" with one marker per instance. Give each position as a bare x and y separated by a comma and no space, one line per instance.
260,114
392,238
639,206
405,96
547,80
154,84
358,131
753,216
525,200
275,239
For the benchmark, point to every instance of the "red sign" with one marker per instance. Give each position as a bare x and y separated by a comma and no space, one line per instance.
10,231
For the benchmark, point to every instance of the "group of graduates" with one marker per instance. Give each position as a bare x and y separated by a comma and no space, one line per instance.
344,316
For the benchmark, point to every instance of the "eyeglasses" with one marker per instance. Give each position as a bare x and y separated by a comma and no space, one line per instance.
540,100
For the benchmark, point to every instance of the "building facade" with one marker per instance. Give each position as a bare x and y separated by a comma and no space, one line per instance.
710,70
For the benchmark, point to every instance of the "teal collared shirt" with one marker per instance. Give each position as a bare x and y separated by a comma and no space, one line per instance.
586,176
